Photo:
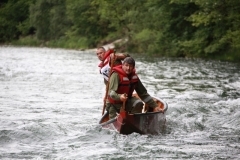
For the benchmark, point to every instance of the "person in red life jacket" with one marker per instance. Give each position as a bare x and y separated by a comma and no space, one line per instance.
125,80
105,56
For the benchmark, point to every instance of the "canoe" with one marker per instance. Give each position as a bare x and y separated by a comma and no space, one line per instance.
147,122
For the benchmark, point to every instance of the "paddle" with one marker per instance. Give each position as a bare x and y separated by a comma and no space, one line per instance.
107,86
124,103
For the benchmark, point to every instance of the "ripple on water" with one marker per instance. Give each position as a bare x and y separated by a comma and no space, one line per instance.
51,102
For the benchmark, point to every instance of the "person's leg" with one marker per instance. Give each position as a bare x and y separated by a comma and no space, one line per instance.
134,105
113,110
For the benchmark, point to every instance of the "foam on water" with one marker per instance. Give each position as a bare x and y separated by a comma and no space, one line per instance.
51,102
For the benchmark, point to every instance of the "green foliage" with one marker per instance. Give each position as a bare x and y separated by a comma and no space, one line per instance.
27,41
187,28
40,18
14,19
145,37
70,43
219,21
86,21
49,19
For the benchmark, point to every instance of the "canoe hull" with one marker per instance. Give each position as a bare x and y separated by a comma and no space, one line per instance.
142,123
148,123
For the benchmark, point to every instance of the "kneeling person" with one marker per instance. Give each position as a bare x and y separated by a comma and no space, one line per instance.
124,80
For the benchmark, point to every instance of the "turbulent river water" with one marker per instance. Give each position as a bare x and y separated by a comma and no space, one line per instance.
51,101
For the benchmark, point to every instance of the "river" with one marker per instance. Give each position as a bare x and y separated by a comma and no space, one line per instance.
51,102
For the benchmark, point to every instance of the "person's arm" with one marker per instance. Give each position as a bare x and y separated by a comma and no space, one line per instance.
113,86
118,58
121,56
143,94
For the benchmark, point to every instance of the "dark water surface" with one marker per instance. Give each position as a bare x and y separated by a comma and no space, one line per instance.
51,102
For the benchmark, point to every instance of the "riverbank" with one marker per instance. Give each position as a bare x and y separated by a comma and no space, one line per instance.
74,44
81,44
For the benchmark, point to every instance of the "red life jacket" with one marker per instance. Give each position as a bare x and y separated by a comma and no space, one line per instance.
104,62
126,85
106,58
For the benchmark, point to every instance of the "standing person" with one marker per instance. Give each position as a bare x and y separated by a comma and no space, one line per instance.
124,80
105,57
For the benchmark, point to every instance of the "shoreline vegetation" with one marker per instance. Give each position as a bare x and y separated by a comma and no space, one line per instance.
32,41
172,28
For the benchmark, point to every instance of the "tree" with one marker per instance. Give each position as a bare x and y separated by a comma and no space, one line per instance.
14,20
86,21
217,28
49,19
